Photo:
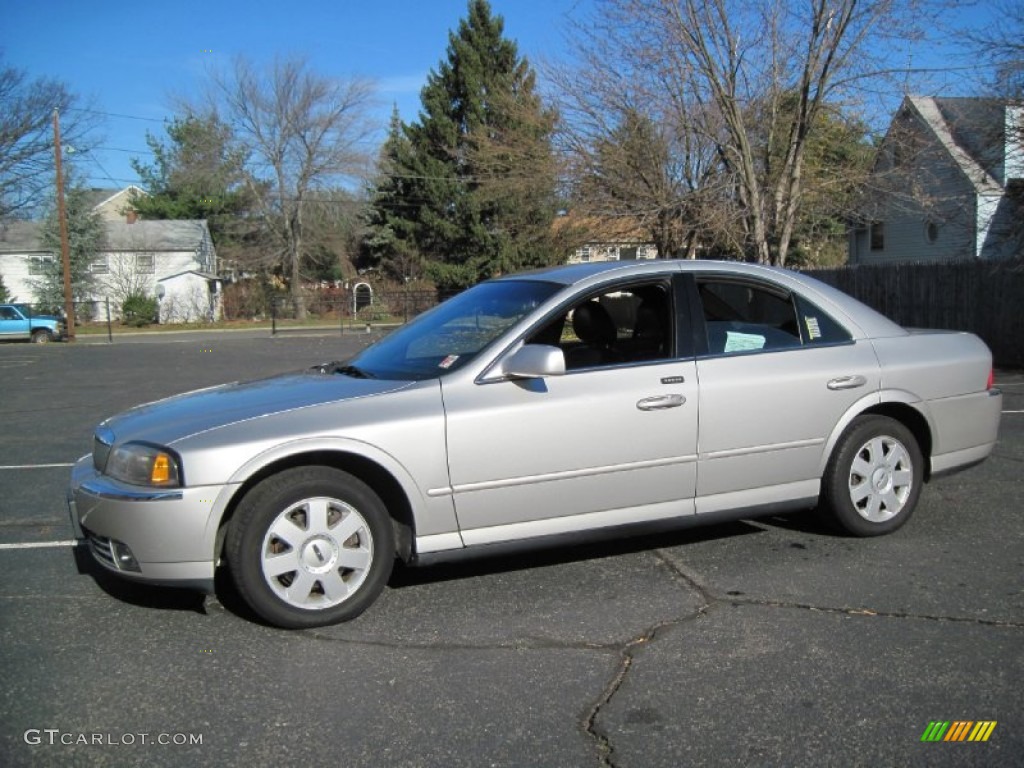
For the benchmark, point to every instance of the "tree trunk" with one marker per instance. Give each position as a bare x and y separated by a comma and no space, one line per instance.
295,255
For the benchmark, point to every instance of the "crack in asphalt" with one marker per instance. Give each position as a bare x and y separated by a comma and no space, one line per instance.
868,612
627,651
710,600
523,644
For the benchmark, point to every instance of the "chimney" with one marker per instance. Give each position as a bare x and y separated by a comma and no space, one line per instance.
131,215
1014,142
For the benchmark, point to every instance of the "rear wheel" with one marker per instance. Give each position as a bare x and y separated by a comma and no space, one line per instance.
310,546
41,336
874,477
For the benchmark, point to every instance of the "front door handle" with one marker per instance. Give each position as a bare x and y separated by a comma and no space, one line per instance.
847,382
660,402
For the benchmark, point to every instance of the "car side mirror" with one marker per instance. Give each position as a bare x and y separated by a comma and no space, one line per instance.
534,361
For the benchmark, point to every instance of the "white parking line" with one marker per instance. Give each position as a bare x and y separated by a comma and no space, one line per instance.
34,466
39,544
1013,411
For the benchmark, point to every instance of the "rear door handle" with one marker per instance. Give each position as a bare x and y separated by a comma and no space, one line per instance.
660,402
847,382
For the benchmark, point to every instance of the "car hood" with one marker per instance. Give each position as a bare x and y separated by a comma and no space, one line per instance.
176,418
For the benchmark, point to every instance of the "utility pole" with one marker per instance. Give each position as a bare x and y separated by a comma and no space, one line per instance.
65,251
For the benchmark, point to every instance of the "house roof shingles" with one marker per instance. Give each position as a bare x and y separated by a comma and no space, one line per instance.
163,235
21,237
965,128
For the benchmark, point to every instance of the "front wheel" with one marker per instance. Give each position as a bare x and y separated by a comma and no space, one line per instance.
41,336
310,546
874,477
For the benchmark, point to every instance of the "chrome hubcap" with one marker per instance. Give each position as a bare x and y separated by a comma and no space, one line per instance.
317,553
881,479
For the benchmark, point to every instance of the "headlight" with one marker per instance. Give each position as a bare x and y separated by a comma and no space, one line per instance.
144,464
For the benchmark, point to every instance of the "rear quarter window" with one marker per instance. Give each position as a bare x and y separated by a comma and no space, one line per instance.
817,327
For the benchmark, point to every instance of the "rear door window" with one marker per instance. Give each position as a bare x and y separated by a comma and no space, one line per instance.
743,317
740,317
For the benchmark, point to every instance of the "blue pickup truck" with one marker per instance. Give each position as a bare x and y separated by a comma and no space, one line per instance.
17,321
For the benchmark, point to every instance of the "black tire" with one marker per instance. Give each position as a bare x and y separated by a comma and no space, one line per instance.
41,336
873,478
341,546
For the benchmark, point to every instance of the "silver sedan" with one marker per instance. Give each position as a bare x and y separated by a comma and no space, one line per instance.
592,399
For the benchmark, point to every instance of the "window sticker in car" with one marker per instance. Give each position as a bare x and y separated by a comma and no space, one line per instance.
448,362
742,342
813,329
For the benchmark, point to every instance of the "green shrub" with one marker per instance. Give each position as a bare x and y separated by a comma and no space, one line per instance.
138,310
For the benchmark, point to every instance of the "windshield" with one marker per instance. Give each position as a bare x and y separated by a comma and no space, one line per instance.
453,333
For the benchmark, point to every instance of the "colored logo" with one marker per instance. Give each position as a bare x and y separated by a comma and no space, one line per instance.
958,730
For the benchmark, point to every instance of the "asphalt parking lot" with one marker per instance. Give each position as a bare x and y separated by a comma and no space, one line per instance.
767,643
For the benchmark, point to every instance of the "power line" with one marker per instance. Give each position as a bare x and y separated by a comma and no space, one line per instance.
117,114
126,151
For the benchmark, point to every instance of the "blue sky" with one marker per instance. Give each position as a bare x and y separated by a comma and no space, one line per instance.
130,57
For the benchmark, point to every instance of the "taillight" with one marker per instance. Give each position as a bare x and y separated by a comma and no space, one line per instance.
991,378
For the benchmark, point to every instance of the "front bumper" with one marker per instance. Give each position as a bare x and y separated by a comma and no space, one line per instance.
153,535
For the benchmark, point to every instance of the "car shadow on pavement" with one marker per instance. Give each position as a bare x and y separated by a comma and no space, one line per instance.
804,522
561,553
134,593
485,563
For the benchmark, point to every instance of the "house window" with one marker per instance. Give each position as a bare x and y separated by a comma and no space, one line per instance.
37,265
100,265
931,232
145,263
585,253
877,236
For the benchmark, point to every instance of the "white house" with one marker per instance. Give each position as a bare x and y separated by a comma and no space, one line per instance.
949,181
174,261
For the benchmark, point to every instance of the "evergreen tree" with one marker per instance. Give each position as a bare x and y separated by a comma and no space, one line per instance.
390,244
471,186
85,241
4,296
198,174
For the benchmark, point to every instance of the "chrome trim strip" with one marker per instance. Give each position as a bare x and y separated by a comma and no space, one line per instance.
105,492
809,443
570,474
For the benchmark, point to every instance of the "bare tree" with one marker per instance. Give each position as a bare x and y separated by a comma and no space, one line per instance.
303,132
26,137
753,78
1000,46
631,151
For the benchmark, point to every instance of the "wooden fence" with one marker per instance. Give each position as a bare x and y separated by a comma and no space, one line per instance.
983,297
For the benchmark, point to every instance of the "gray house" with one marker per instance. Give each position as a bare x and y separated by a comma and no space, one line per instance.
174,261
948,184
